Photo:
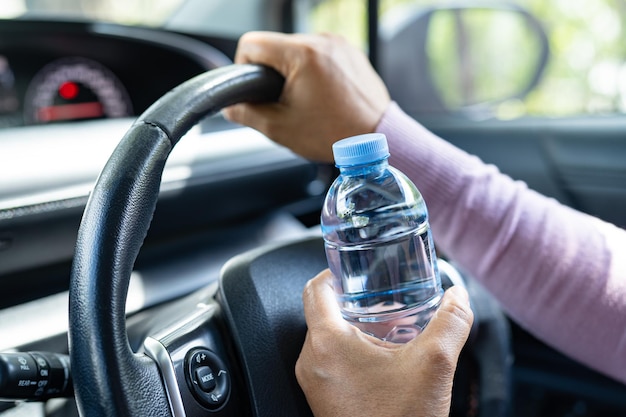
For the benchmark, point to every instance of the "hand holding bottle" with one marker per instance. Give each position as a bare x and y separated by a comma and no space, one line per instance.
345,372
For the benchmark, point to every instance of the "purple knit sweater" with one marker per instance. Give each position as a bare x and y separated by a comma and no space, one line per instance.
559,273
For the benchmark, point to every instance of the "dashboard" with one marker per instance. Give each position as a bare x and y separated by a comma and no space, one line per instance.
68,93
68,71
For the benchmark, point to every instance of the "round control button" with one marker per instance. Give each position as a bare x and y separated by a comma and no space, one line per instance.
207,378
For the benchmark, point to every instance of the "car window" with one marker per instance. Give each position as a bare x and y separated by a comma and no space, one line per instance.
118,11
585,70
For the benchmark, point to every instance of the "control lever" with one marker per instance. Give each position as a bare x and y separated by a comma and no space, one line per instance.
35,376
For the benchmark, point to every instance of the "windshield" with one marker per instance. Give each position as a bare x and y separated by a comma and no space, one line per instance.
229,18
118,11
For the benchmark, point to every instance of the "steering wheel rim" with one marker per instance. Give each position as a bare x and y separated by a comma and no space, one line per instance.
114,224
109,378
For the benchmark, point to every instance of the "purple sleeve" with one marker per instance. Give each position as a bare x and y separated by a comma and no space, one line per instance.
559,273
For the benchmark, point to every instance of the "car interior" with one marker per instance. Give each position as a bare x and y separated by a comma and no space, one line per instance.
169,247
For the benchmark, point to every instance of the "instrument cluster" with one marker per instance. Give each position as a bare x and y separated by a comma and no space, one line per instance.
55,71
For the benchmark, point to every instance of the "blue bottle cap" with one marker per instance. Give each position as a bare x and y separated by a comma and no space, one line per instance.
360,150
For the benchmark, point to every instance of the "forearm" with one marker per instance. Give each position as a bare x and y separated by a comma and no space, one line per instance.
555,270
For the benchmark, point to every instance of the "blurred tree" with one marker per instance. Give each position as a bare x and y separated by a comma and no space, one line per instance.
586,72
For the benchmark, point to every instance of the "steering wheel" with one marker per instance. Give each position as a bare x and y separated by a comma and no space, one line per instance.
228,349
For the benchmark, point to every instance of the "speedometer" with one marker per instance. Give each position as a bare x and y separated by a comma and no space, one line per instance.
75,89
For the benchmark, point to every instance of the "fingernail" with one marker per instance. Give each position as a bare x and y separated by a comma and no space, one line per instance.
459,291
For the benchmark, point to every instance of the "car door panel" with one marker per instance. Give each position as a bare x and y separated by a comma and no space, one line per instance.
580,162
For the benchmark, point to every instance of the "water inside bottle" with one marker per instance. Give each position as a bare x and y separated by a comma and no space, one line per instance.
383,285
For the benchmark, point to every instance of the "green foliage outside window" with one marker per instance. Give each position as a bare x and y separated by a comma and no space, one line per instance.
586,72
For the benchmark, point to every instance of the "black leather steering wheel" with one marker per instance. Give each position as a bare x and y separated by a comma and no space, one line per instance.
228,350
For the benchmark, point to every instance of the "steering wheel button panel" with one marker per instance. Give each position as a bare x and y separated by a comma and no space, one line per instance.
208,378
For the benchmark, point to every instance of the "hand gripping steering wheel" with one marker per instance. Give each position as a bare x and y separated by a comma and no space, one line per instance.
228,349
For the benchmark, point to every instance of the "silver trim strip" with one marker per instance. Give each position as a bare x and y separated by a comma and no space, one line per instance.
155,350
203,310
154,347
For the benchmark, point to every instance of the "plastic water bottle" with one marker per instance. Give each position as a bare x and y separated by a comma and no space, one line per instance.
378,243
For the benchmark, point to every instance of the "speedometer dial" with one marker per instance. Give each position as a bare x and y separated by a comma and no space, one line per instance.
75,89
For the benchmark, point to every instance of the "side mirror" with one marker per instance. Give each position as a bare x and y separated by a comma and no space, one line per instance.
460,59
